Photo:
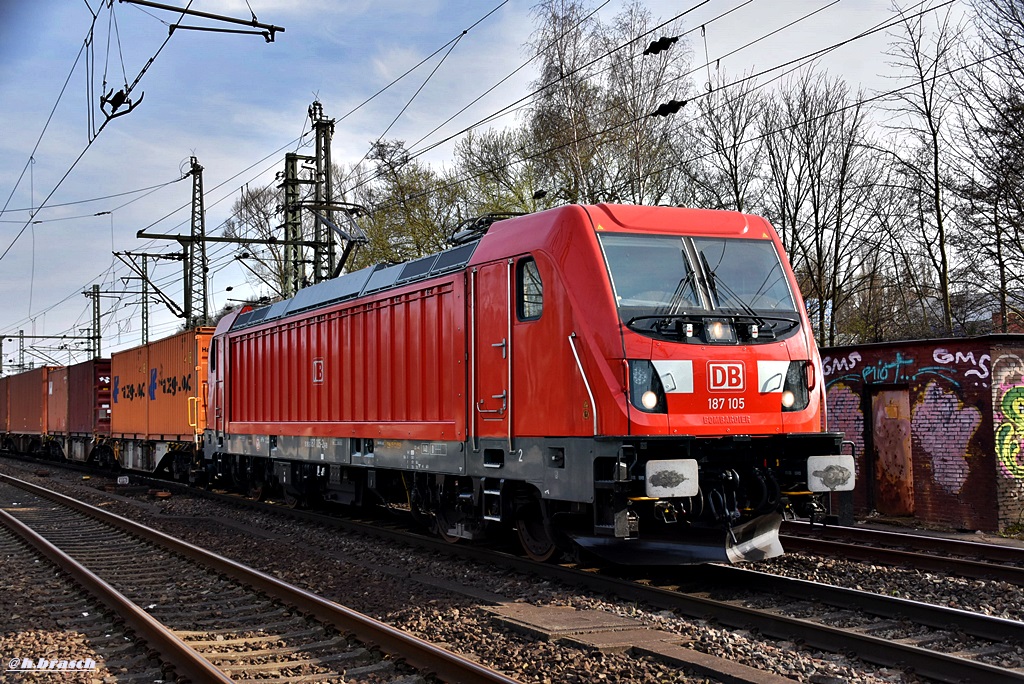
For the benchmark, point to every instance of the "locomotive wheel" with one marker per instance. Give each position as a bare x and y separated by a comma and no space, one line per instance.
533,533
445,518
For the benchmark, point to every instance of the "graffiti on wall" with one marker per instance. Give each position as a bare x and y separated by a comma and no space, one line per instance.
902,368
944,426
1008,410
941,424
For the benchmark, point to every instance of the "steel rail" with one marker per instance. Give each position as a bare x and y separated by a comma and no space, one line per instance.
898,557
185,659
421,654
920,542
870,649
938,666
885,652
941,617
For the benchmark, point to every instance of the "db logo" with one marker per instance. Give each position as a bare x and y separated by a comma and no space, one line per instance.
726,375
318,371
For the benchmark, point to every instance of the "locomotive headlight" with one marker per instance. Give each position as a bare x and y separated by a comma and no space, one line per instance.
716,330
646,391
650,400
795,394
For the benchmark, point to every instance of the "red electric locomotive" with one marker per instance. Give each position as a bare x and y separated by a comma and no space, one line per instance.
639,381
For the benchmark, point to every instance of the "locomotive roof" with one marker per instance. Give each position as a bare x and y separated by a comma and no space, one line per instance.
381,277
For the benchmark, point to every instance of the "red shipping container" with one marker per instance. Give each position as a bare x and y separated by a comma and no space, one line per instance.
89,399
158,391
57,401
27,394
4,382
4,405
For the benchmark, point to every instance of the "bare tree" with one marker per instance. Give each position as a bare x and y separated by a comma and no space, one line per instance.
924,113
643,153
562,119
256,215
821,191
992,186
589,135
728,145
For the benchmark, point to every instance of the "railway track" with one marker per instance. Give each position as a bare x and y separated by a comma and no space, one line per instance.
927,553
211,619
934,642
49,618
939,643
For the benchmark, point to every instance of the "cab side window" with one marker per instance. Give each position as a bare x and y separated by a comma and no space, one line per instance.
529,290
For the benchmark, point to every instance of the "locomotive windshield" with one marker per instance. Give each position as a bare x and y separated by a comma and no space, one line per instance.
662,282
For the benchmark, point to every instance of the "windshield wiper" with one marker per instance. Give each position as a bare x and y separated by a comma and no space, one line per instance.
677,296
714,281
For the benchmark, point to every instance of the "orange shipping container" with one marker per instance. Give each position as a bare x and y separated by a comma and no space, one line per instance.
57,401
158,391
27,402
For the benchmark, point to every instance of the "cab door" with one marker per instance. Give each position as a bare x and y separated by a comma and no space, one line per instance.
492,352
218,352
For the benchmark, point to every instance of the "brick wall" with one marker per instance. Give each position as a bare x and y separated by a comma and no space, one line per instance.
951,410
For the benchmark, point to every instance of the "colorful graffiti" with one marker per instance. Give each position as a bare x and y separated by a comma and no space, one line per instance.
902,368
1008,409
944,426
966,413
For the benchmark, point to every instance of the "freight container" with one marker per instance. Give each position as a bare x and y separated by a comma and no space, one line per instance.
89,399
4,382
57,402
88,414
129,380
158,390
27,393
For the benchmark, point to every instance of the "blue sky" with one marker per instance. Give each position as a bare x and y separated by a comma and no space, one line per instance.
233,100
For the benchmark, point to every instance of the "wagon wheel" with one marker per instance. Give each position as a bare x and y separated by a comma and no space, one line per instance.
293,501
54,452
113,464
534,535
256,489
